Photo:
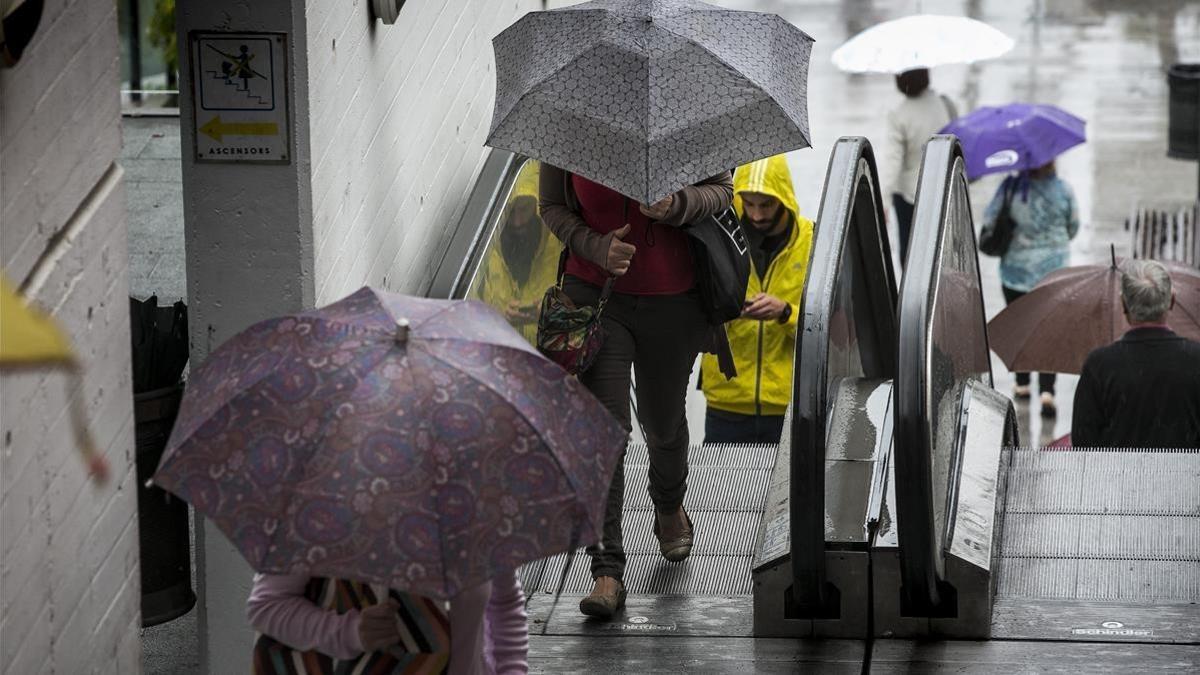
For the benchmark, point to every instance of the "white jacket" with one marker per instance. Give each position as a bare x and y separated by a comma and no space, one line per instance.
910,125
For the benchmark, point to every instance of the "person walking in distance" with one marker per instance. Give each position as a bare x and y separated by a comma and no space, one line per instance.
654,324
749,408
910,124
1043,207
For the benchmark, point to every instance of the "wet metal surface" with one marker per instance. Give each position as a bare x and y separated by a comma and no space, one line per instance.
1096,621
1103,525
980,492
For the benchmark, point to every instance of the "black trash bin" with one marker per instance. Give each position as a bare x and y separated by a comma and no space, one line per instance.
1183,131
162,518
160,353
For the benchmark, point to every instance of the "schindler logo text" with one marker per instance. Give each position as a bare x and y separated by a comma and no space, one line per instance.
1113,628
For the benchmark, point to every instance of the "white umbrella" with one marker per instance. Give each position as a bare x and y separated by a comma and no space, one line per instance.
921,41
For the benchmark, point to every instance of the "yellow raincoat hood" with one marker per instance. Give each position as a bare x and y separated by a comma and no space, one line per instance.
769,176
763,350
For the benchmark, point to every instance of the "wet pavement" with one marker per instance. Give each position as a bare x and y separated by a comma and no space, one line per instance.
154,198
154,194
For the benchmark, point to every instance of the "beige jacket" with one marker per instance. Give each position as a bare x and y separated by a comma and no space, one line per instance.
910,125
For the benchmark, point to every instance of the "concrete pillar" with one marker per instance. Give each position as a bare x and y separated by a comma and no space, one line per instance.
387,129
248,241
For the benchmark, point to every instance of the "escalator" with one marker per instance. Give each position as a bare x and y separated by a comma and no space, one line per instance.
1007,543
896,520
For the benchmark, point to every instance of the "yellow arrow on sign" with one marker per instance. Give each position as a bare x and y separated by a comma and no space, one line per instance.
216,129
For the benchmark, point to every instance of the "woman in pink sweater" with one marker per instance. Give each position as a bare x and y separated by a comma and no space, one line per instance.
309,624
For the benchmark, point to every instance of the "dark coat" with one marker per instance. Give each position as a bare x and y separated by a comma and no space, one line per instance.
1141,391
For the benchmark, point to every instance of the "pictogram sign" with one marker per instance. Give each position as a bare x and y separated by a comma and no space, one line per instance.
239,97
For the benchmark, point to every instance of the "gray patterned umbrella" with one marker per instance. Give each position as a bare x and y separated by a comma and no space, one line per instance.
647,96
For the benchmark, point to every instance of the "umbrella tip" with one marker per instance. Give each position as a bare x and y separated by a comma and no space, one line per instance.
401,331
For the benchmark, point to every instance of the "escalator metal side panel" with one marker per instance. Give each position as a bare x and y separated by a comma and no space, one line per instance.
973,534
860,438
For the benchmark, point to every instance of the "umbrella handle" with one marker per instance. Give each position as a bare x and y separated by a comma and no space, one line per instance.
96,462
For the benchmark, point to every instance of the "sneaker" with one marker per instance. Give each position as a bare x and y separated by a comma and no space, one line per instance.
606,599
674,532
1048,407
1021,392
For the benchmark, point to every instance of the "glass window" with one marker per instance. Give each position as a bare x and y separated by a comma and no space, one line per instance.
858,345
149,55
520,260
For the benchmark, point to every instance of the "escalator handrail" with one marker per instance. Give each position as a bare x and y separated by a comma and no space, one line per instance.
851,168
920,550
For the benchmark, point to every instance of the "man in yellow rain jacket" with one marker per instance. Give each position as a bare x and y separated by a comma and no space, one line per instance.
749,408
522,259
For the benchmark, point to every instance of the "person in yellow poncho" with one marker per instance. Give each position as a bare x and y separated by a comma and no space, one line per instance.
522,260
749,408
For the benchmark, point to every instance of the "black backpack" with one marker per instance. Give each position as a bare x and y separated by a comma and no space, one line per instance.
997,236
722,257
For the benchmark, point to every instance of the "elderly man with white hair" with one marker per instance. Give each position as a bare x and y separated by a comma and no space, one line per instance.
1144,389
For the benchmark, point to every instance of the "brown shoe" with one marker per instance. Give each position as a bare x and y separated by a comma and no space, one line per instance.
607,598
1048,407
674,532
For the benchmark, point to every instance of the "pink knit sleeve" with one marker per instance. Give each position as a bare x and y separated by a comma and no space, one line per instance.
467,630
507,643
277,607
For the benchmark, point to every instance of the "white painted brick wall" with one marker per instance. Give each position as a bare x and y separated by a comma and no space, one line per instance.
69,589
398,116
50,108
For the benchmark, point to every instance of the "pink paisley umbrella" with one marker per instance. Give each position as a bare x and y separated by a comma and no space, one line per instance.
421,444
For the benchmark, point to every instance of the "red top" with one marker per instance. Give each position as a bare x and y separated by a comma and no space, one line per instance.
662,264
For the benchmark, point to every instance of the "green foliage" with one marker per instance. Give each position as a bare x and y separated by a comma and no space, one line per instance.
160,31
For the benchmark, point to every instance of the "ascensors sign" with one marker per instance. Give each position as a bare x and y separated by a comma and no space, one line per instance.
239,97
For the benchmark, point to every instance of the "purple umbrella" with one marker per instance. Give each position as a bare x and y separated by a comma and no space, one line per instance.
1014,137
420,444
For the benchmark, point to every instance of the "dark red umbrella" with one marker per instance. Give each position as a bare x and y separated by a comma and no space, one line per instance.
1074,310
420,444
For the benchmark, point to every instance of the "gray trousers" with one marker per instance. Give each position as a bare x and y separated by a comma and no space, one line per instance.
658,337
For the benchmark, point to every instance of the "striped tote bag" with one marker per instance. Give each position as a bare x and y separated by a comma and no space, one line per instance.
424,647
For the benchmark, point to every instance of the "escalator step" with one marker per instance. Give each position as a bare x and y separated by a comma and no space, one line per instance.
1102,525
727,487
